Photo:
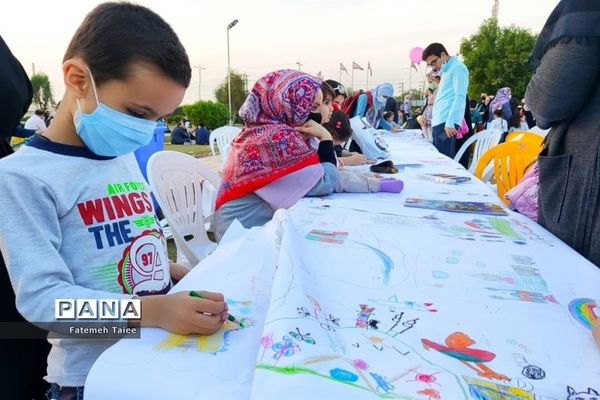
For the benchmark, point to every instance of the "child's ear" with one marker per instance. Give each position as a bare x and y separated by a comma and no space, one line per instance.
77,78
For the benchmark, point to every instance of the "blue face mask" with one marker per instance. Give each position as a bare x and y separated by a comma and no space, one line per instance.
110,133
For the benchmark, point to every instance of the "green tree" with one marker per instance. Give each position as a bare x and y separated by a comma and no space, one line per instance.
498,57
238,93
42,91
213,115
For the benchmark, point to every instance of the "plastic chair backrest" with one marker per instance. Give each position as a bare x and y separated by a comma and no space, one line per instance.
522,136
483,140
223,137
179,181
510,160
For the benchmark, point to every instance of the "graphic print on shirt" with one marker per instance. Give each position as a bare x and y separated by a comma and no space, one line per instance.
126,217
144,268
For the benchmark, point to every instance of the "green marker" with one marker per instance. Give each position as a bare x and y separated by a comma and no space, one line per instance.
231,318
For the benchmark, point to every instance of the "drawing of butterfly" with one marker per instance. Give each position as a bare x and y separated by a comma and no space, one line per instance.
302,337
285,348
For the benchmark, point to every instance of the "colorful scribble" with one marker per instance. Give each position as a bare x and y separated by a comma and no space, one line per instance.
383,385
323,236
343,375
425,378
364,315
431,394
285,348
585,311
458,346
522,295
387,262
215,343
488,390
302,337
394,303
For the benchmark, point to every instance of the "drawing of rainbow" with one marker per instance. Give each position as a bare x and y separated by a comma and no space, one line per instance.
585,311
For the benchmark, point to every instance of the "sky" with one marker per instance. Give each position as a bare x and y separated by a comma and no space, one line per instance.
274,34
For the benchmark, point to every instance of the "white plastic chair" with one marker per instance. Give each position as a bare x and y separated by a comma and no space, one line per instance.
180,183
223,136
484,141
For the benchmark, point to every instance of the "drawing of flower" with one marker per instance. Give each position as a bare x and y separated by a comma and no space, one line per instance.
431,393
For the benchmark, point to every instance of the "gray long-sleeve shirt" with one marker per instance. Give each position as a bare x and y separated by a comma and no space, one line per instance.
77,226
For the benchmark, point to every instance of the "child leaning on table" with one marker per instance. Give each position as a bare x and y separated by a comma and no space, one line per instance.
82,224
354,181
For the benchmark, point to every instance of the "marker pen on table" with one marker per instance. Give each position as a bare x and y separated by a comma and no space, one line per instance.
231,318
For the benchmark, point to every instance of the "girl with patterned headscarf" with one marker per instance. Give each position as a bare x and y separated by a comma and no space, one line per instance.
271,163
502,102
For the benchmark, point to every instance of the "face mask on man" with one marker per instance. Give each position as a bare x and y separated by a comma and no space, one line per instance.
317,117
108,132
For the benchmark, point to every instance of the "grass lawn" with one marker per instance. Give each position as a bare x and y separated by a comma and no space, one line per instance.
191,149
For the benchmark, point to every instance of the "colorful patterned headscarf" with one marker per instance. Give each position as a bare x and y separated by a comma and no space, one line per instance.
502,97
269,147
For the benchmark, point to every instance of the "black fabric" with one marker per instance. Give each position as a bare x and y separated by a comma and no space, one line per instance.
564,95
392,105
326,152
16,93
354,147
571,19
22,361
338,150
464,160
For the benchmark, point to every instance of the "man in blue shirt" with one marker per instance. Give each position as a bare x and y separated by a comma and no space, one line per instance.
449,105
202,134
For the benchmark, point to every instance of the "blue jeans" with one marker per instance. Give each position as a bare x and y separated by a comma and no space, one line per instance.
57,392
443,143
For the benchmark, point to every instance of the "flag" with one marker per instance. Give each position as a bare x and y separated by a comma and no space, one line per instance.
356,66
369,68
342,68
320,75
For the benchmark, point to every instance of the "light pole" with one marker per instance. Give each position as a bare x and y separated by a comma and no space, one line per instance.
200,68
231,25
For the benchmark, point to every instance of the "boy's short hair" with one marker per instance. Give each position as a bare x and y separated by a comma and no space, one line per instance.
113,36
472,103
434,49
498,112
339,126
39,112
387,114
327,91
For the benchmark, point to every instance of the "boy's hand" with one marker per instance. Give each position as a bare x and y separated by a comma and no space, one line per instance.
178,271
185,315
355,159
311,128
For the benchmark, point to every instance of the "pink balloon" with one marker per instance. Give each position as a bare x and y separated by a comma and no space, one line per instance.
416,55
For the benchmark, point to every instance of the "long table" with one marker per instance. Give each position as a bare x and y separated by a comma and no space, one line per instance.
356,296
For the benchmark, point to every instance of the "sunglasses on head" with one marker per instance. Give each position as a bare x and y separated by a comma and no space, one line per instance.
340,89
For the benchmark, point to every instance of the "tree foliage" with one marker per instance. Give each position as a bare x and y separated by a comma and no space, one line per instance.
238,93
213,115
42,91
498,57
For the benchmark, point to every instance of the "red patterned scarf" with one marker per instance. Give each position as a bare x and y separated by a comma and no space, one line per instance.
269,147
